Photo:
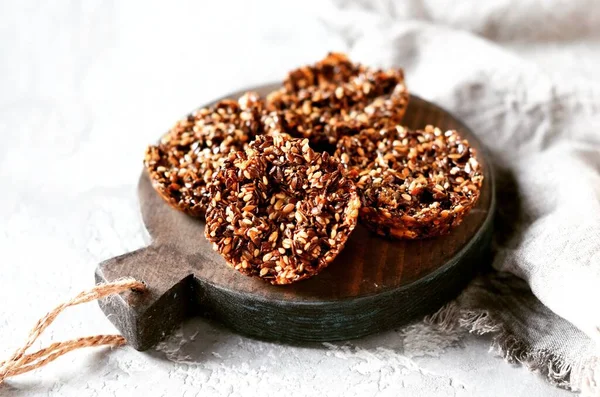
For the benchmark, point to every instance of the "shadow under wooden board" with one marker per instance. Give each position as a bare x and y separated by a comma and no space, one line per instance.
373,285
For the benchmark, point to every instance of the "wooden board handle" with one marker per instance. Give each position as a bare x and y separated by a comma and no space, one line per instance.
144,319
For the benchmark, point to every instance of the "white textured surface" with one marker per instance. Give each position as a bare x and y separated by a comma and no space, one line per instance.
84,86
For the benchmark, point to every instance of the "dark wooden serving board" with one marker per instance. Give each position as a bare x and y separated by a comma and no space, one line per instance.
373,285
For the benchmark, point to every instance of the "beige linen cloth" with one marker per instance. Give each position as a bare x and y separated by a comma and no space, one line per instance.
542,127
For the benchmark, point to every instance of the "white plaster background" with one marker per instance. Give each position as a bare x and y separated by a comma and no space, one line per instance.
84,86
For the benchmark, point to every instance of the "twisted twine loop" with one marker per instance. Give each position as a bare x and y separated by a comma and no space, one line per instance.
20,362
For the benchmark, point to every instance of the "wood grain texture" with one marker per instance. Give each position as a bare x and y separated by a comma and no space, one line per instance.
373,285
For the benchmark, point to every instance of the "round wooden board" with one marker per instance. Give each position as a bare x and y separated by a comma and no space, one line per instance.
374,284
